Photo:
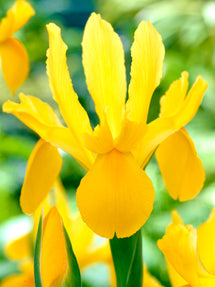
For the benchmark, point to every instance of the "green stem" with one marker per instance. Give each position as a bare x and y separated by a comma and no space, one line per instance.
128,261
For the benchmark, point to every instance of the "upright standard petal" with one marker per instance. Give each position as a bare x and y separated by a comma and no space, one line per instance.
159,129
43,168
40,117
22,12
103,61
147,54
115,196
60,82
174,98
180,166
15,63
191,103
206,243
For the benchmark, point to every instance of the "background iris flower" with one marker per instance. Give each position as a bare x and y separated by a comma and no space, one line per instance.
14,58
190,252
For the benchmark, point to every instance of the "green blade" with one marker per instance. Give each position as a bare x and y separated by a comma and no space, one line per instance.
37,251
73,277
127,258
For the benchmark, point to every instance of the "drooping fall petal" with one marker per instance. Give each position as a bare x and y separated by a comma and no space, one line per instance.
40,117
43,167
124,195
206,243
180,166
147,54
15,63
103,61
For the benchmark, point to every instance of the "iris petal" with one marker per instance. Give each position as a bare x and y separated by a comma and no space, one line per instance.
206,243
180,166
182,255
103,61
115,196
60,82
15,63
147,54
19,248
22,12
6,26
41,118
43,168
159,129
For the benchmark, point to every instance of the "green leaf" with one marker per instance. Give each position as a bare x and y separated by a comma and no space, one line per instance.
127,258
73,276
38,246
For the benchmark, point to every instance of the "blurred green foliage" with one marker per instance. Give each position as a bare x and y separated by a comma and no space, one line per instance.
188,31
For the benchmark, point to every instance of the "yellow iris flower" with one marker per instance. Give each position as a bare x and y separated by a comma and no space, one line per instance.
85,247
115,196
190,252
149,280
14,58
